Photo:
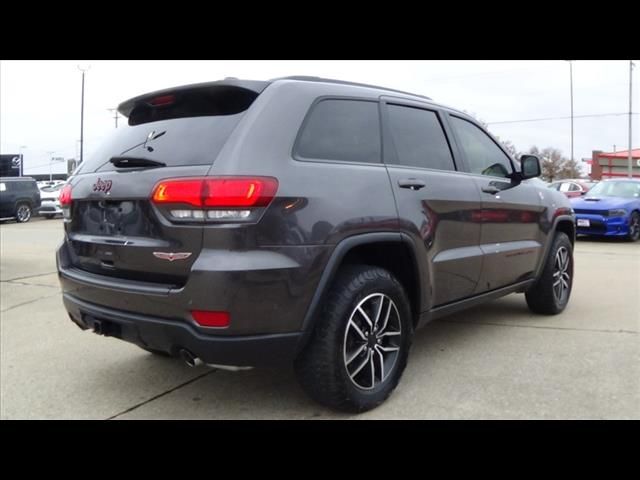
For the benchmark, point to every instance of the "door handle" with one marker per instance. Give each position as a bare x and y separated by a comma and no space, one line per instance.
411,183
491,189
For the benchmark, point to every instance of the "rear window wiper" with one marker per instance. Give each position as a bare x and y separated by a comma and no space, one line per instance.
135,162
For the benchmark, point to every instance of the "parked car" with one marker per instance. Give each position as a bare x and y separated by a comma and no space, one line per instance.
19,197
49,183
611,208
248,223
50,203
572,188
538,182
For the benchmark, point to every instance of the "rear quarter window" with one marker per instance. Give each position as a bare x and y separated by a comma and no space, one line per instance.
341,130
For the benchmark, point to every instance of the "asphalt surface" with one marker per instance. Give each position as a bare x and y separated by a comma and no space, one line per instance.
496,361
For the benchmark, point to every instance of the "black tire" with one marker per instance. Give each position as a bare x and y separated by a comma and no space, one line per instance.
23,212
49,216
544,297
322,367
159,353
634,227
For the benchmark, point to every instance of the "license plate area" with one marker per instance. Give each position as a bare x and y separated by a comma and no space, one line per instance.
114,218
583,222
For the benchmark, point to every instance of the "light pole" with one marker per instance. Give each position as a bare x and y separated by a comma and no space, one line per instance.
571,90
50,162
83,70
631,65
53,159
22,147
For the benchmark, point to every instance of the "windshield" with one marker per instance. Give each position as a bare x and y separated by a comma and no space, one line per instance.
616,189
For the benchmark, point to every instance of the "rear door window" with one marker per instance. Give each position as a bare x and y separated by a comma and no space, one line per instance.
419,138
341,130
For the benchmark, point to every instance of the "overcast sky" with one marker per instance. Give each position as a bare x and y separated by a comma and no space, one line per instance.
40,100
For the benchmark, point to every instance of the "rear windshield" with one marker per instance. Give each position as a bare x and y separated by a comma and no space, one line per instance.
175,142
185,126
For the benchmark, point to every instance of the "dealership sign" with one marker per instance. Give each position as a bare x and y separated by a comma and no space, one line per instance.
10,165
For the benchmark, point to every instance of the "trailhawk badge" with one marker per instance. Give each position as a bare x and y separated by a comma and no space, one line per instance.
171,256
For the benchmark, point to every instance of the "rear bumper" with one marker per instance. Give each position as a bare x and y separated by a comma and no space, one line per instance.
172,336
601,225
49,208
265,291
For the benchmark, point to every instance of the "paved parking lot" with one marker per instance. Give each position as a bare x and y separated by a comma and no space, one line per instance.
494,361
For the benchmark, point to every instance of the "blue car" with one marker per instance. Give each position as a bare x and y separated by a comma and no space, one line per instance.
611,208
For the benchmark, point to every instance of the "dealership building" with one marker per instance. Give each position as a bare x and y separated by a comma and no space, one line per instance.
614,165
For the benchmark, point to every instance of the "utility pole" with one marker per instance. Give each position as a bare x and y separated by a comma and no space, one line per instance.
115,114
83,70
631,65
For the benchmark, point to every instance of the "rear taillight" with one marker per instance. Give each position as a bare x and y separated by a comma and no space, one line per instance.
215,198
65,201
65,196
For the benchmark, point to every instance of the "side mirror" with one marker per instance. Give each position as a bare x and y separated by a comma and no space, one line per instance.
529,167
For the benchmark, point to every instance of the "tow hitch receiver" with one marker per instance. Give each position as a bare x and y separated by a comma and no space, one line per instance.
105,327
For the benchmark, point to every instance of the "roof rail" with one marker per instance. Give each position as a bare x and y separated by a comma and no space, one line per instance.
342,82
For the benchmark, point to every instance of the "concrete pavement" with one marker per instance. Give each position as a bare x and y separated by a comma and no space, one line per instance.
494,361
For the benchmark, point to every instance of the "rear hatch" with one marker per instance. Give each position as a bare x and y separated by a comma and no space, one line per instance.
113,227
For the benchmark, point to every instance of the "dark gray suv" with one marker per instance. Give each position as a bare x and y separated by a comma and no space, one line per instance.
248,223
19,198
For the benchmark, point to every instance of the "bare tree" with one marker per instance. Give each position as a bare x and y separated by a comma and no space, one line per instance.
510,148
484,124
554,165
570,169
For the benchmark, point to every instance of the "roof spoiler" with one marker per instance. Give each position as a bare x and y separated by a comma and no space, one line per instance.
256,86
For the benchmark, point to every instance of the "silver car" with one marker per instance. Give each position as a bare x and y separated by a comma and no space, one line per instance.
50,206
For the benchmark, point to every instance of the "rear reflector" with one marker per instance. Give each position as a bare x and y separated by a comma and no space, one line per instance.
220,192
65,196
211,319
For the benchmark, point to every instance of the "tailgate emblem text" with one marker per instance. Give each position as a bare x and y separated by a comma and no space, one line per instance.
171,256
102,186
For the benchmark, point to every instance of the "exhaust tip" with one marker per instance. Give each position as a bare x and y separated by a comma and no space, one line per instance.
189,358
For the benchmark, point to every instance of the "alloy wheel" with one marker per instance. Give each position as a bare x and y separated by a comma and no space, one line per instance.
24,213
634,227
372,341
561,275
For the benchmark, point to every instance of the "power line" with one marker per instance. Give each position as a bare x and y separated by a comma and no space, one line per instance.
562,118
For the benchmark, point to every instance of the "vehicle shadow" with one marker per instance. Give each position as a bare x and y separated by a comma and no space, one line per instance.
273,393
